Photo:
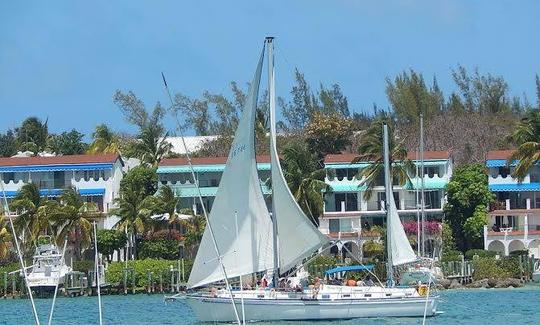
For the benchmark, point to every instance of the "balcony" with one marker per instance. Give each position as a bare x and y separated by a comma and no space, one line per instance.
500,206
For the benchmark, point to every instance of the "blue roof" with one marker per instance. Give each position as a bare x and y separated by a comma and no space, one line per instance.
58,192
516,187
349,268
48,168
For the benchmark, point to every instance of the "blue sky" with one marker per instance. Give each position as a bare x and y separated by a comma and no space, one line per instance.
63,60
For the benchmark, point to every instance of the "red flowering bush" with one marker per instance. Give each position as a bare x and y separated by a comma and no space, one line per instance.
431,227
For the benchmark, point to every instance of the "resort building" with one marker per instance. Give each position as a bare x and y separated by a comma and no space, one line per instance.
176,173
514,218
96,177
348,216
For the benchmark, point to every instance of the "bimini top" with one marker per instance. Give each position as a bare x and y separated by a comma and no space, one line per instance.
350,268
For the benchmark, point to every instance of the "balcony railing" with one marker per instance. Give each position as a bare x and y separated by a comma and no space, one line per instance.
373,206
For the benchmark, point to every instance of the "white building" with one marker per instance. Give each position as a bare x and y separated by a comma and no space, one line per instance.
514,219
348,215
345,209
96,177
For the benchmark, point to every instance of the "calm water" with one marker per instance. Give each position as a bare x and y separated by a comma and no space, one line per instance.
482,306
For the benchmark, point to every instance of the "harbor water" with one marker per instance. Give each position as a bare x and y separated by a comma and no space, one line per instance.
479,306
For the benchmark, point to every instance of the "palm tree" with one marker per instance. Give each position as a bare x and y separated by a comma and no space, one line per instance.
73,219
194,230
5,238
305,178
371,149
152,144
104,141
167,204
527,137
134,212
26,203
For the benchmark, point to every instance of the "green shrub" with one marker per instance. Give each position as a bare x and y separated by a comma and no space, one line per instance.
324,260
83,266
372,248
451,255
141,269
10,268
160,248
488,268
480,252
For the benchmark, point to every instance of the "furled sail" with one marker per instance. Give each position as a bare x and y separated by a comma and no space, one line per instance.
239,200
297,236
402,252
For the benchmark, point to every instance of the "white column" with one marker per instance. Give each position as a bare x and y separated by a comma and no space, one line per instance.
485,237
528,204
363,203
507,203
342,206
526,225
402,200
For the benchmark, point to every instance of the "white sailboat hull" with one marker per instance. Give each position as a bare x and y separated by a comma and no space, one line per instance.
221,310
333,302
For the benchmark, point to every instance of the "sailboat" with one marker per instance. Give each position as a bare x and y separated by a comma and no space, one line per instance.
423,270
243,238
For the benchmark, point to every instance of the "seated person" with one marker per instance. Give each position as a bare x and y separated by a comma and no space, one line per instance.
369,282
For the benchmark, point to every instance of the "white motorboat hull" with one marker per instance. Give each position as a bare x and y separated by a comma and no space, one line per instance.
536,276
219,309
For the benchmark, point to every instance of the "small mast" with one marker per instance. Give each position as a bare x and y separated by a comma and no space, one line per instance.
389,196
272,101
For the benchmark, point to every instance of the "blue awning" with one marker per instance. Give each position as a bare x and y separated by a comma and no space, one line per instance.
50,168
350,268
498,163
58,192
202,168
516,187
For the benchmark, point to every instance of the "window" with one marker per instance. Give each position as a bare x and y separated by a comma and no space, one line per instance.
504,171
512,222
345,225
340,225
341,173
431,171
334,225
381,196
7,177
433,199
350,199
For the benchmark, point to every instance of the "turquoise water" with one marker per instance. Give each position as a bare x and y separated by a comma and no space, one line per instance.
482,306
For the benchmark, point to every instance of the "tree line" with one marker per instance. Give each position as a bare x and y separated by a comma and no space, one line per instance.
479,116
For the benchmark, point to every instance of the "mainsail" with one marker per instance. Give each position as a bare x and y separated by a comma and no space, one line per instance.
297,236
239,198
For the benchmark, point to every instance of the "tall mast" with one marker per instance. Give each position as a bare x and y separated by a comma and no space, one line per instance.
272,102
422,197
417,207
389,196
